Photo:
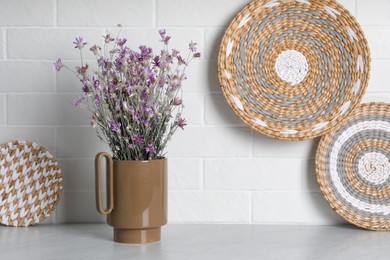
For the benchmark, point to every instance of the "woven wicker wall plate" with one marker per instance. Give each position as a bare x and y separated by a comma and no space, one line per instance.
353,167
293,69
30,183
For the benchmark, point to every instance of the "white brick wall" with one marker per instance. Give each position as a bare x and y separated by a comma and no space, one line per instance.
219,170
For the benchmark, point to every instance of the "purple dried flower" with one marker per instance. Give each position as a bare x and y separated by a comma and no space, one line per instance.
138,139
58,64
98,98
118,63
181,61
150,149
83,71
175,52
96,84
192,46
95,49
177,101
166,39
156,61
108,38
181,122
161,81
86,90
79,43
94,120
149,112
162,33
114,126
121,42
137,89
166,57
145,51
78,102
135,118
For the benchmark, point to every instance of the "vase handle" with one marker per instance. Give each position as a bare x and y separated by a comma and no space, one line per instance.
109,181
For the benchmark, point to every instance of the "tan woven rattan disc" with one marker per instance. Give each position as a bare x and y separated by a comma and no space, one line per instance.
293,69
30,183
353,167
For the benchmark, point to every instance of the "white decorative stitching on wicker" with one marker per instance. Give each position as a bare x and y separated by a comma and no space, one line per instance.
293,65
353,167
31,183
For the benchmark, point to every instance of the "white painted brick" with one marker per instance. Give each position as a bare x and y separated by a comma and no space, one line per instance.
252,174
378,41
218,112
185,174
380,77
211,142
293,208
197,12
79,174
3,109
105,13
349,4
202,77
309,177
26,76
27,13
374,12
193,108
209,207
274,148
50,43
45,109
376,97
78,207
213,37
40,135
75,142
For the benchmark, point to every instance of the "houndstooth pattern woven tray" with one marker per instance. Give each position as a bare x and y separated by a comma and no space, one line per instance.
30,183
293,69
353,167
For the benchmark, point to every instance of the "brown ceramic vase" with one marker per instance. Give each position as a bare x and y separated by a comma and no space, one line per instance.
136,198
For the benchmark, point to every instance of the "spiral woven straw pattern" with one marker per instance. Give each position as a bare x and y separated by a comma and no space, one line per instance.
293,69
353,167
30,183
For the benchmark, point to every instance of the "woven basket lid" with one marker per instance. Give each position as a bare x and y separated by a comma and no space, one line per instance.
293,69
30,183
353,167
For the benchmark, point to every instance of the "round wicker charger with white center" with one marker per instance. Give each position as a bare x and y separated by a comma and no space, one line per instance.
353,167
293,69
30,183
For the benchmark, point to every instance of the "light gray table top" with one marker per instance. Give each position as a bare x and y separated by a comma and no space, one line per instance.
187,242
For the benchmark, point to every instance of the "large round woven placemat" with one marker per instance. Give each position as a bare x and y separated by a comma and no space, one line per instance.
30,183
293,69
353,167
